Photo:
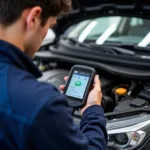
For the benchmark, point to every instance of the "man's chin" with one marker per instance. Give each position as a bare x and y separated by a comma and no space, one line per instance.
30,55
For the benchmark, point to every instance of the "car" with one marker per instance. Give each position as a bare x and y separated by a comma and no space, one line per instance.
114,38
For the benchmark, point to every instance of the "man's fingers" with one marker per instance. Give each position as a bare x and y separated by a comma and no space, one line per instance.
96,79
97,83
62,87
66,78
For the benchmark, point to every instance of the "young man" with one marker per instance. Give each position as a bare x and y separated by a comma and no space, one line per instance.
35,115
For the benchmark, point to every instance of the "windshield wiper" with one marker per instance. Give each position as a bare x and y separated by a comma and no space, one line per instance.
118,50
109,48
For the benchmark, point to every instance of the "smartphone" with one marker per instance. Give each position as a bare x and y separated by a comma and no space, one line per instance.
79,84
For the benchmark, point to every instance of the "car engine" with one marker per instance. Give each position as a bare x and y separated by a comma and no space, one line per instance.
127,97
118,96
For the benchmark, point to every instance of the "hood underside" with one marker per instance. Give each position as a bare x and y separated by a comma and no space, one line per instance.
85,9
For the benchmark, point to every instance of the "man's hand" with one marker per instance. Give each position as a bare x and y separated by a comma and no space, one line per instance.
95,95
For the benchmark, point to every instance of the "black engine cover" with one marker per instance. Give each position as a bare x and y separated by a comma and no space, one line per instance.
131,104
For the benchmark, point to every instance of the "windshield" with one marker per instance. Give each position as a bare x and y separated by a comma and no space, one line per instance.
127,30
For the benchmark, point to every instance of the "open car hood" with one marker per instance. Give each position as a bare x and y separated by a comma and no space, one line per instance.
83,9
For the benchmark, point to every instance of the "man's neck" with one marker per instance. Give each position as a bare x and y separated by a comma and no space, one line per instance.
12,35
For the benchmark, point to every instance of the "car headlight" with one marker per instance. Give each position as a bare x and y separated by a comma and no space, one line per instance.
129,132
126,140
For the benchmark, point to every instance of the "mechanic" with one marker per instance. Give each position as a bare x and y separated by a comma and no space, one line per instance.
35,115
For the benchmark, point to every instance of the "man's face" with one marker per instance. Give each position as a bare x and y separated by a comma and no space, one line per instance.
36,34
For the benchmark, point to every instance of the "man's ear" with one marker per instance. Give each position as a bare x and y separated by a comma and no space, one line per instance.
34,17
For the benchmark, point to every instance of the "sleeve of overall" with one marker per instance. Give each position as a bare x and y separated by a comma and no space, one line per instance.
54,129
93,126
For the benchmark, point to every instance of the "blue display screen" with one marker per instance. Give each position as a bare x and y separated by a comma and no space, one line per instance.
78,84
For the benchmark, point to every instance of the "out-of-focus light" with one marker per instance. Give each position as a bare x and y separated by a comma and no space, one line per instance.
145,41
111,29
86,31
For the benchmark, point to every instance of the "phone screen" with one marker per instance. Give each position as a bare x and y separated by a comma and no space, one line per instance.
78,84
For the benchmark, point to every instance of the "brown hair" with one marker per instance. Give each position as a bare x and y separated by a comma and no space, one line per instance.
11,10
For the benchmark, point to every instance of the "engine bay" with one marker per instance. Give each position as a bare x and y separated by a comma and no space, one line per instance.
126,103
126,96
119,94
